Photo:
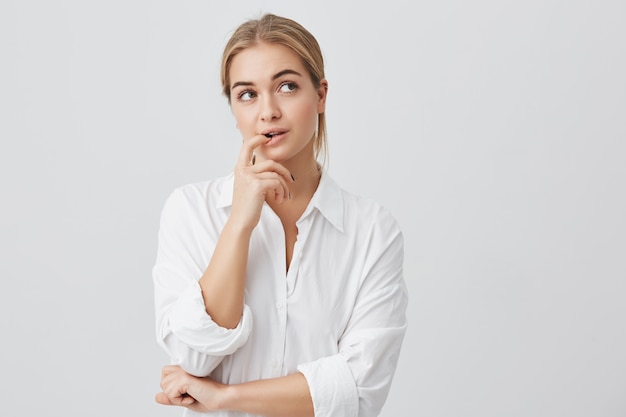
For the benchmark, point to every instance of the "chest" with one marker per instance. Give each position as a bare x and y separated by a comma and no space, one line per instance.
318,289
291,235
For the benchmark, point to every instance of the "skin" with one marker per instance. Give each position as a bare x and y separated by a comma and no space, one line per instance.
271,91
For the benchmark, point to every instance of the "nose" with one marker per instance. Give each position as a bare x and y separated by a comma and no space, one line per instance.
269,108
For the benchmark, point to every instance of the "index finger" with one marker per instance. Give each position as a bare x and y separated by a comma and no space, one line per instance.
248,147
168,369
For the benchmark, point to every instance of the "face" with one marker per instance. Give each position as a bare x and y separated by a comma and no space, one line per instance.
272,94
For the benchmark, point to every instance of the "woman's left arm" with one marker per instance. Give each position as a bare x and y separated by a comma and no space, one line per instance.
356,381
286,396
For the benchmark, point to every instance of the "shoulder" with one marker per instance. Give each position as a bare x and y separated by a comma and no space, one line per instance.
377,237
198,196
368,214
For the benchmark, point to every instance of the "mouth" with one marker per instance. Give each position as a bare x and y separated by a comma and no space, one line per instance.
271,133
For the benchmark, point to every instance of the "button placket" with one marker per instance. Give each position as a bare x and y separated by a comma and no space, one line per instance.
298,250
281,315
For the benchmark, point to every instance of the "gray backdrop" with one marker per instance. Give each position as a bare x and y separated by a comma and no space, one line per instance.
494,131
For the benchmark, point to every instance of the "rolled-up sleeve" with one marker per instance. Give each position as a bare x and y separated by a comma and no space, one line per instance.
332,386
184,329
356,381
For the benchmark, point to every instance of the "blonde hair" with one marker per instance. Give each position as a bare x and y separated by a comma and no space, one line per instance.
286,32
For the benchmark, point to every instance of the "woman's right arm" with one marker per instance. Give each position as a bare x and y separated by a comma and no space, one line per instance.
223,282
189,335
199,321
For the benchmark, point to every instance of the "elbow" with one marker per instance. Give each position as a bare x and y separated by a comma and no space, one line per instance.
193,362
200,365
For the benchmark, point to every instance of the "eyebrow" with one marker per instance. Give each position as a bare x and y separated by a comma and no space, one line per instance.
274,77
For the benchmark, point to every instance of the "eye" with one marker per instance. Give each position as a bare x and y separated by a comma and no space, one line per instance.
288,87
246,95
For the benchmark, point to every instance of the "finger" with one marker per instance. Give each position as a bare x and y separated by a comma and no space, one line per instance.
166,381
276,192
276,167
280,192
181,401
161,398
248,147
168,369
173,394
187,400
168,373
274,183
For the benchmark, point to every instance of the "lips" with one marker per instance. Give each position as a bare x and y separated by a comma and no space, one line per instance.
270,133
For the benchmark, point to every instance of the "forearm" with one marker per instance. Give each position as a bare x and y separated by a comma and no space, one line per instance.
287,396
223,282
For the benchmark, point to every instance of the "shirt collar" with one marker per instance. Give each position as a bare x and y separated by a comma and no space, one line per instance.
225,195
328,199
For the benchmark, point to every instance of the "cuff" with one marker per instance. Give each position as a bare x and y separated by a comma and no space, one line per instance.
192,325
332,387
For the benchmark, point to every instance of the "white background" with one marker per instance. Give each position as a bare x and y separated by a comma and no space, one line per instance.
494,131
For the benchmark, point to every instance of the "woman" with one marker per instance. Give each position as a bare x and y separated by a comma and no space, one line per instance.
277,293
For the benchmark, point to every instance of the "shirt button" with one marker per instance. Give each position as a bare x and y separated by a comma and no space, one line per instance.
279,305
274,364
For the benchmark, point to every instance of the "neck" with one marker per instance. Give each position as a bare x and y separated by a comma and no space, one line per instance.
302,189
307,179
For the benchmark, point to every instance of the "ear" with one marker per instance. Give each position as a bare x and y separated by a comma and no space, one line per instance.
322,92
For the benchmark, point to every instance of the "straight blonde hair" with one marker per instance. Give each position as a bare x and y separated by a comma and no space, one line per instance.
289,33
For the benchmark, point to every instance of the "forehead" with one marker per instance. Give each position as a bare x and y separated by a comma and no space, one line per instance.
263,61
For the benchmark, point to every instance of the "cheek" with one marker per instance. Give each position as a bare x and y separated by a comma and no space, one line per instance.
307,111
245,121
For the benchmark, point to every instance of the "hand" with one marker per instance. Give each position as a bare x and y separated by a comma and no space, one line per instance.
255,182
181,389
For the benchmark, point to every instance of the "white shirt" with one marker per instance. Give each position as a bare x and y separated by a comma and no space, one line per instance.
337,316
